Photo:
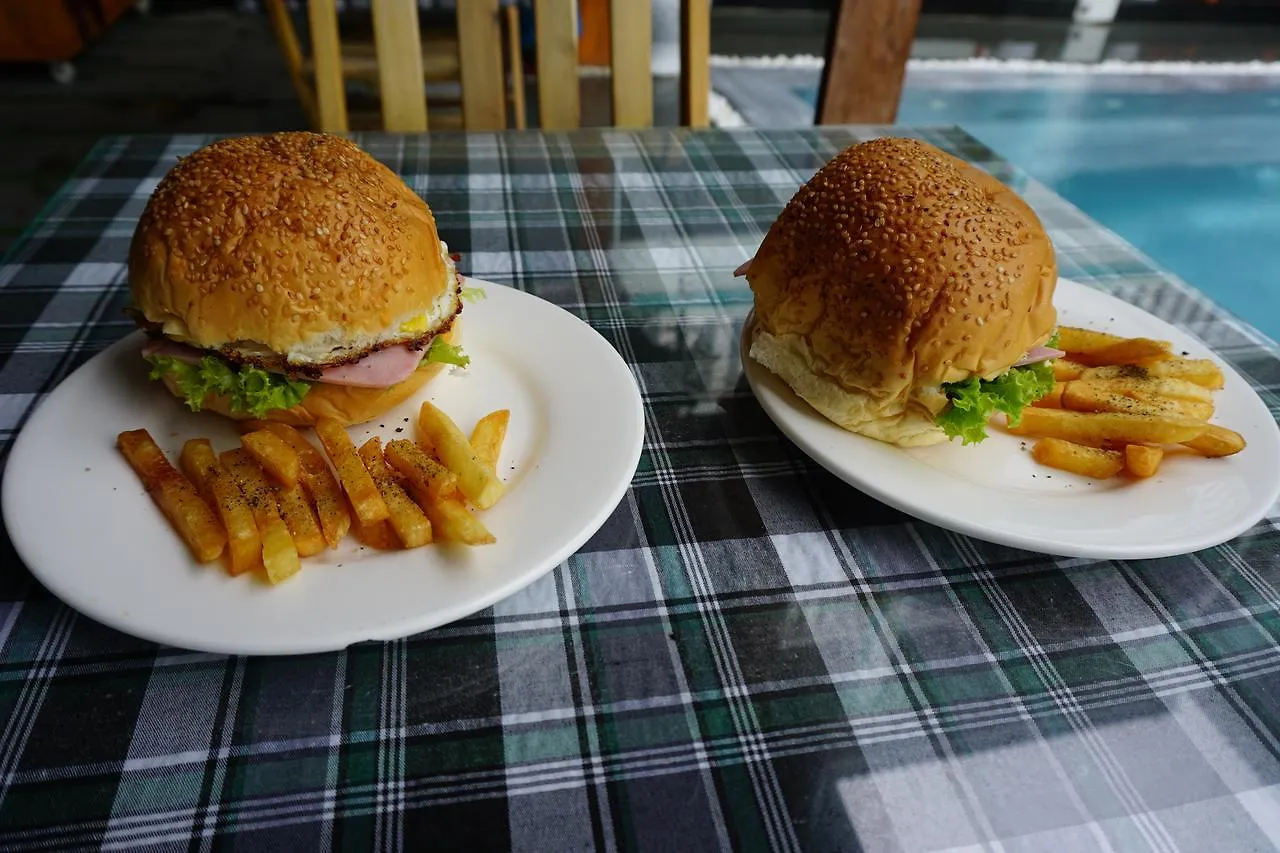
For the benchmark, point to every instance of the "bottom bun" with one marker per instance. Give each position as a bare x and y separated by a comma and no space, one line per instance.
346,404
901,421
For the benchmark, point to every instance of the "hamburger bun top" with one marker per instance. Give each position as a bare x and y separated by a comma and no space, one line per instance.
289,249
898,267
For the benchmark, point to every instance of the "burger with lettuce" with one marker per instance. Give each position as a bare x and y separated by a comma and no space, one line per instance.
290,277
907,296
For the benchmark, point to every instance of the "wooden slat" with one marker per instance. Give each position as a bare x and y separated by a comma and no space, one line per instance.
866,61
515,60
695,62
559,98
360,60
326,50
395,32
484,104
631,49
291,51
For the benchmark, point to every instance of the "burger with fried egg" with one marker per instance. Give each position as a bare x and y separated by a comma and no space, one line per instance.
906,295
289,277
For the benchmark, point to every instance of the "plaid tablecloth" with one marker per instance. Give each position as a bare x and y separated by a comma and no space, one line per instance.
749,654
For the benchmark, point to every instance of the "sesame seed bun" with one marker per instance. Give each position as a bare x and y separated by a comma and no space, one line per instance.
894,269
290,250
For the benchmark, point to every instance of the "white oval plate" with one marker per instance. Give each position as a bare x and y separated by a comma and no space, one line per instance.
996,492
83,524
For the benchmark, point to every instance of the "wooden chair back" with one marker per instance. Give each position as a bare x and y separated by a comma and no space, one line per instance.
630,62
400,62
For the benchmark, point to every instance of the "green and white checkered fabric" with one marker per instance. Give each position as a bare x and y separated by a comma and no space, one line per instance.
748,655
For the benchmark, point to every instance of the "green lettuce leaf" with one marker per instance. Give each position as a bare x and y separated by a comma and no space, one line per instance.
473,294
445,352
251,389
974,400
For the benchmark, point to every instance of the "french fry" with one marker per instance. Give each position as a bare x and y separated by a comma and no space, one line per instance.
409,522
1096,397
451,520
331,504
1201,371
244,543
1121,400
1217,441
1064,369
279,553
488,435
1127,351
278,499
196,460
275,456
1052,400
1089,347
1076,339
420,470
1078,459
1187,408
378,535
319,481
175,495
1142,460
1132,378
1100,428
219,490
356,480
479,483
434,487
300,518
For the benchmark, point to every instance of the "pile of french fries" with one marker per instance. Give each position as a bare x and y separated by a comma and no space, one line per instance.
274,500
1121,405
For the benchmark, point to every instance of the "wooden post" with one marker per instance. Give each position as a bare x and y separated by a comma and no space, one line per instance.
695,62
326,52
291,50
516,61
866,60
399,45
484,104
631,62
559,90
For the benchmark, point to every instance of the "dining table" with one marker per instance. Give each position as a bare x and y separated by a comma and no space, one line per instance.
748,654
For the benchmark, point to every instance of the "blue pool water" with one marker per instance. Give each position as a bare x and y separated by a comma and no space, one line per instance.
1192,178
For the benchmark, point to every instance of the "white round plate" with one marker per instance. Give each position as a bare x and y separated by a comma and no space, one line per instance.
996,492
83,524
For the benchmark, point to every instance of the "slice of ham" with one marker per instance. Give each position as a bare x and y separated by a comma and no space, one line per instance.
380,369
1037,355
